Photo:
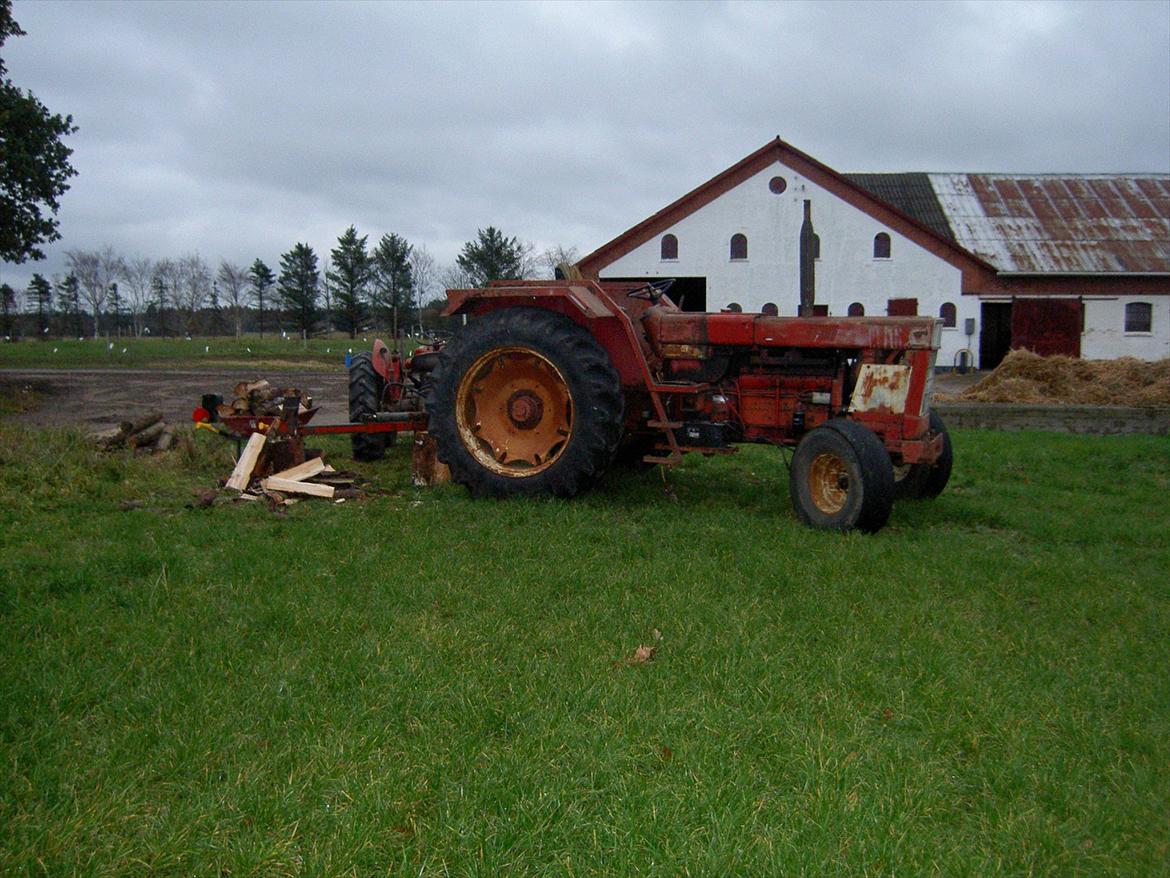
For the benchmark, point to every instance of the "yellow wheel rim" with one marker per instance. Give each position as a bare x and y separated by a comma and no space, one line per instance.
514,412
828,483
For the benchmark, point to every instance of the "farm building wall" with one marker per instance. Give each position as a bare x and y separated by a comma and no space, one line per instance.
847,271
1105,336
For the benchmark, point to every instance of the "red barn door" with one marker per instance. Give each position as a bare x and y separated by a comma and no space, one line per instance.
1047,326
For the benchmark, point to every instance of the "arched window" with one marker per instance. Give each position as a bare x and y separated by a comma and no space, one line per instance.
1139,317
881,246
770,310
949,314
739,246
856,310
816,246
669,247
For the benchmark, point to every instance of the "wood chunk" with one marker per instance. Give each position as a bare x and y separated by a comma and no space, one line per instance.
165,440
272,483
148,436
224,410
247,462
109,438
129,428
302,471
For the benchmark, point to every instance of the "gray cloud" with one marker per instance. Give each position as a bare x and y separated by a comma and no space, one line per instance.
237,129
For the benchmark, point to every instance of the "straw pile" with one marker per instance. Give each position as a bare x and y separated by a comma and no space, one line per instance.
1024,377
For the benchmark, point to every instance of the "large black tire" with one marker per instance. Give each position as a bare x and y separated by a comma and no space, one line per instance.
523,402
925,481
842,478
365,397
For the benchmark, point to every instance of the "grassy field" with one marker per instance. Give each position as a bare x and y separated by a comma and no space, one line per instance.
272,352
419,684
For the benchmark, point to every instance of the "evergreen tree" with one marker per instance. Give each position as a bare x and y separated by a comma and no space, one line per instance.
394,278
158,289
216,321
352,269
40,298
116,308
7,306
262,280
298,286
34,163
69,302
491,256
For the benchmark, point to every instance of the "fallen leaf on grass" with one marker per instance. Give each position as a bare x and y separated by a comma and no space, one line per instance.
642,655
656,634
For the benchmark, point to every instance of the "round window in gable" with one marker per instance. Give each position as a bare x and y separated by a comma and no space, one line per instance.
777,185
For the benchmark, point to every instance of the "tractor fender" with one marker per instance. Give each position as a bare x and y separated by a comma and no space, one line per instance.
381,359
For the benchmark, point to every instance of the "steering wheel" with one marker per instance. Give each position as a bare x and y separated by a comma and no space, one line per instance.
652,290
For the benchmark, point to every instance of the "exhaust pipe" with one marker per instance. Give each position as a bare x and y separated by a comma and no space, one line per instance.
808,281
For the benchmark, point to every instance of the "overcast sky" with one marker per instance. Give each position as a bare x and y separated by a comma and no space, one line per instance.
239,129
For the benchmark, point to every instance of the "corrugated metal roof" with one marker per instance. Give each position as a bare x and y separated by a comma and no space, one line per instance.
910,193
1056,223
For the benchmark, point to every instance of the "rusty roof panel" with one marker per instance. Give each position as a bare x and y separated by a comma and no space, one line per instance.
1052,223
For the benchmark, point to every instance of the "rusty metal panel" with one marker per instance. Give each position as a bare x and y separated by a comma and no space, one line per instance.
881,388
1051,223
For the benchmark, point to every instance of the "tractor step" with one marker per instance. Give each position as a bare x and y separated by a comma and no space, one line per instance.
664,425
669,460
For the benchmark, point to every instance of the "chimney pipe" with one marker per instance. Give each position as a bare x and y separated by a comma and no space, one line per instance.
808,281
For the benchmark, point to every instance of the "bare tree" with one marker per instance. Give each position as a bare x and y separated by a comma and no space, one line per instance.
86,266
192,287
548,261
137,275
426,275
234,283
165,291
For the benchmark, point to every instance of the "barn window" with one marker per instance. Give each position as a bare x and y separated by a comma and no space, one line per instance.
857,310
1139,317
816,246
949,314
777,185
881,246
739,246
770,310
669,247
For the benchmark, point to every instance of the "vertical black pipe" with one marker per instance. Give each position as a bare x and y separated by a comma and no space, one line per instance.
808,280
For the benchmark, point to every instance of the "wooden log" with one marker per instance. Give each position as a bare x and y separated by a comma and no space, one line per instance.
288,486
224,410
302,471
146,437
109,438
165,440
247,462
129,428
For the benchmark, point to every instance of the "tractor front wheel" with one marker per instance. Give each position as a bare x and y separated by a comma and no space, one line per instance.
841,478
365,398
525,401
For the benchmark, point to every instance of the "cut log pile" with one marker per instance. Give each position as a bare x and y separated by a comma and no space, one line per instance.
149,433
262,399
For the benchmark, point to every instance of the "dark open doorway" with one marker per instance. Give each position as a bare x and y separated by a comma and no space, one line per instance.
689,293
995,336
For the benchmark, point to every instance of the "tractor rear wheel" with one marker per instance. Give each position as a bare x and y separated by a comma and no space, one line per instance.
926,480
365,398
525,401
841,478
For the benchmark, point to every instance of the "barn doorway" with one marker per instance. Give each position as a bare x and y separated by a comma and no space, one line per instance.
995,338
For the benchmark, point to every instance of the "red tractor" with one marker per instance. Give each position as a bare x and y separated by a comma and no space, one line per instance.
551,382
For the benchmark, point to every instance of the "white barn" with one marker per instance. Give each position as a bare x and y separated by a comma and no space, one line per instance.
1074,264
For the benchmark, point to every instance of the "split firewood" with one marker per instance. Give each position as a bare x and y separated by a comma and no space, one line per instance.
272,483
242,474
224,410
109,438
303,471
146,437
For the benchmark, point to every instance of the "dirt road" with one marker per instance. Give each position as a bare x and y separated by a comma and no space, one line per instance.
94,399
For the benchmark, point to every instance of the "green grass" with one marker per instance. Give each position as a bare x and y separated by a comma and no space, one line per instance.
419,684
271,352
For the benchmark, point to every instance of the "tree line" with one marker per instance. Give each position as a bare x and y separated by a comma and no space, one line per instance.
391,286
